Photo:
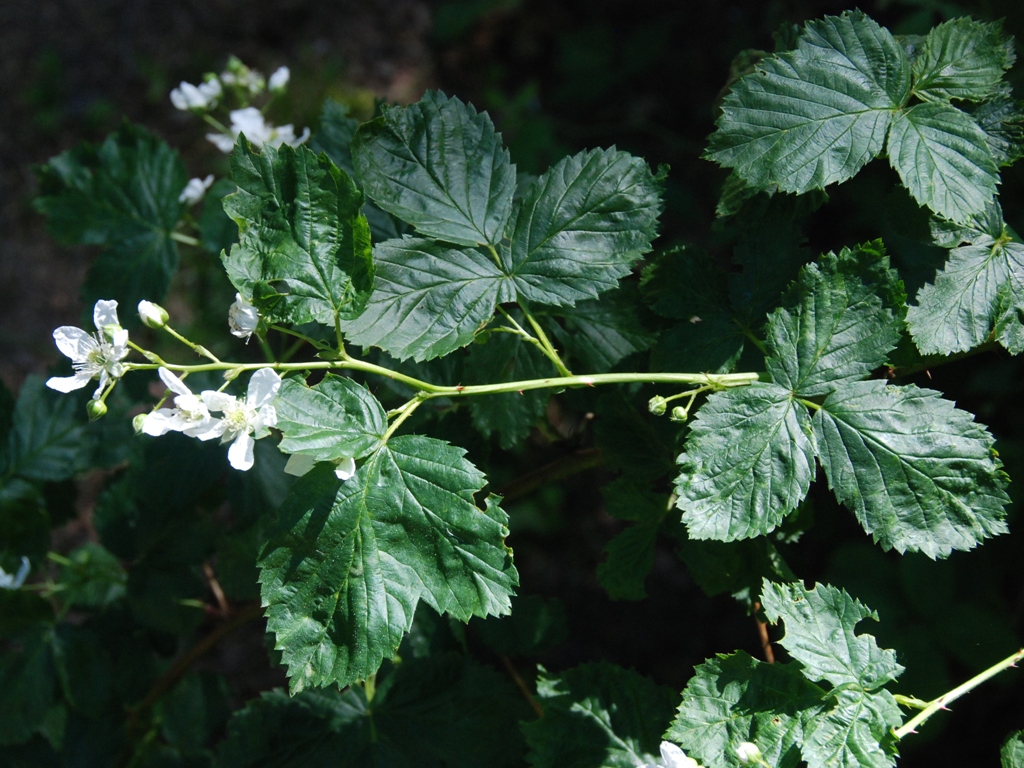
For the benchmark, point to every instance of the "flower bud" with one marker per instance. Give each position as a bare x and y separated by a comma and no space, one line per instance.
96,409
153,315
748,753
657,405
138,422
679,414
279,80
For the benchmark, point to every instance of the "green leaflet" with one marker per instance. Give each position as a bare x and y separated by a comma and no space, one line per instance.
919,473
630,555
507,357
440,712
820,634
1012,753
1009,327
428,299
958,310
335,419
304,248
440,166
834,326
1002,120
780,708
581,226
122,195
962,59
735,698
943,159
26,686
47,440
749,461
91,577
598,714
816,115
348,562
600,333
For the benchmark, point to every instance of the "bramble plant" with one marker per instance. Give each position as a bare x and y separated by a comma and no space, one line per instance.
397,275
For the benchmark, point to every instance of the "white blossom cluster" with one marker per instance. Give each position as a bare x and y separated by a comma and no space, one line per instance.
673,757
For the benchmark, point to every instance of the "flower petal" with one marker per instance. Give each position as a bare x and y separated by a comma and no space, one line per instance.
105,313
67,384
240,452
263,387
346,468
218,401
74,342
160,422
299,464
172,382
207,429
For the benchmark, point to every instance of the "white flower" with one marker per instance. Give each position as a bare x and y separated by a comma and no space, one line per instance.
190,414
748,752
243,318
299,464
97,355
194,190
251,123
202,97
246,421
673,757
9,581
153,315
279,80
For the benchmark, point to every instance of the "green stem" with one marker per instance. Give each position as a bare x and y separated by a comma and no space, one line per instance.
186,239
947,698
494,255
197,348
404,413
217,124
546,345
311,341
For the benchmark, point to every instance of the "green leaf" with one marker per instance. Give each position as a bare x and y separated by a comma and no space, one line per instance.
601,333
335,419
1009,326
918,473
833,326
629,559
816,115
962,59
304,249
47,440
440,166
820,634
749,461
441,712
735,698
1012,753
581,226
428,299
91,577
348,562
26,686
856,732
942,157
957,311
122,195
598,714
334,138
1002,120
507,357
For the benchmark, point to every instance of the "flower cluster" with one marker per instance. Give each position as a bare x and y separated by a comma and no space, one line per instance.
241,423
197,98
673,757
93,355
250,123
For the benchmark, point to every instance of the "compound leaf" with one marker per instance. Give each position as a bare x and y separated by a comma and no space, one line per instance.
334,419
749,461
598,714
735,698
962,59
834,326
942,157
581,226
304,248
815,115
439,165
348,562
918,473
122,195
428,299
820,634
958,310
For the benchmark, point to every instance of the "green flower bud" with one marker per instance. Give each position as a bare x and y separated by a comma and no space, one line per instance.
96,409
657,405
153,315
137,423
679,414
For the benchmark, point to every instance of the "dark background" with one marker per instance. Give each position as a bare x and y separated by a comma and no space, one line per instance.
556,77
